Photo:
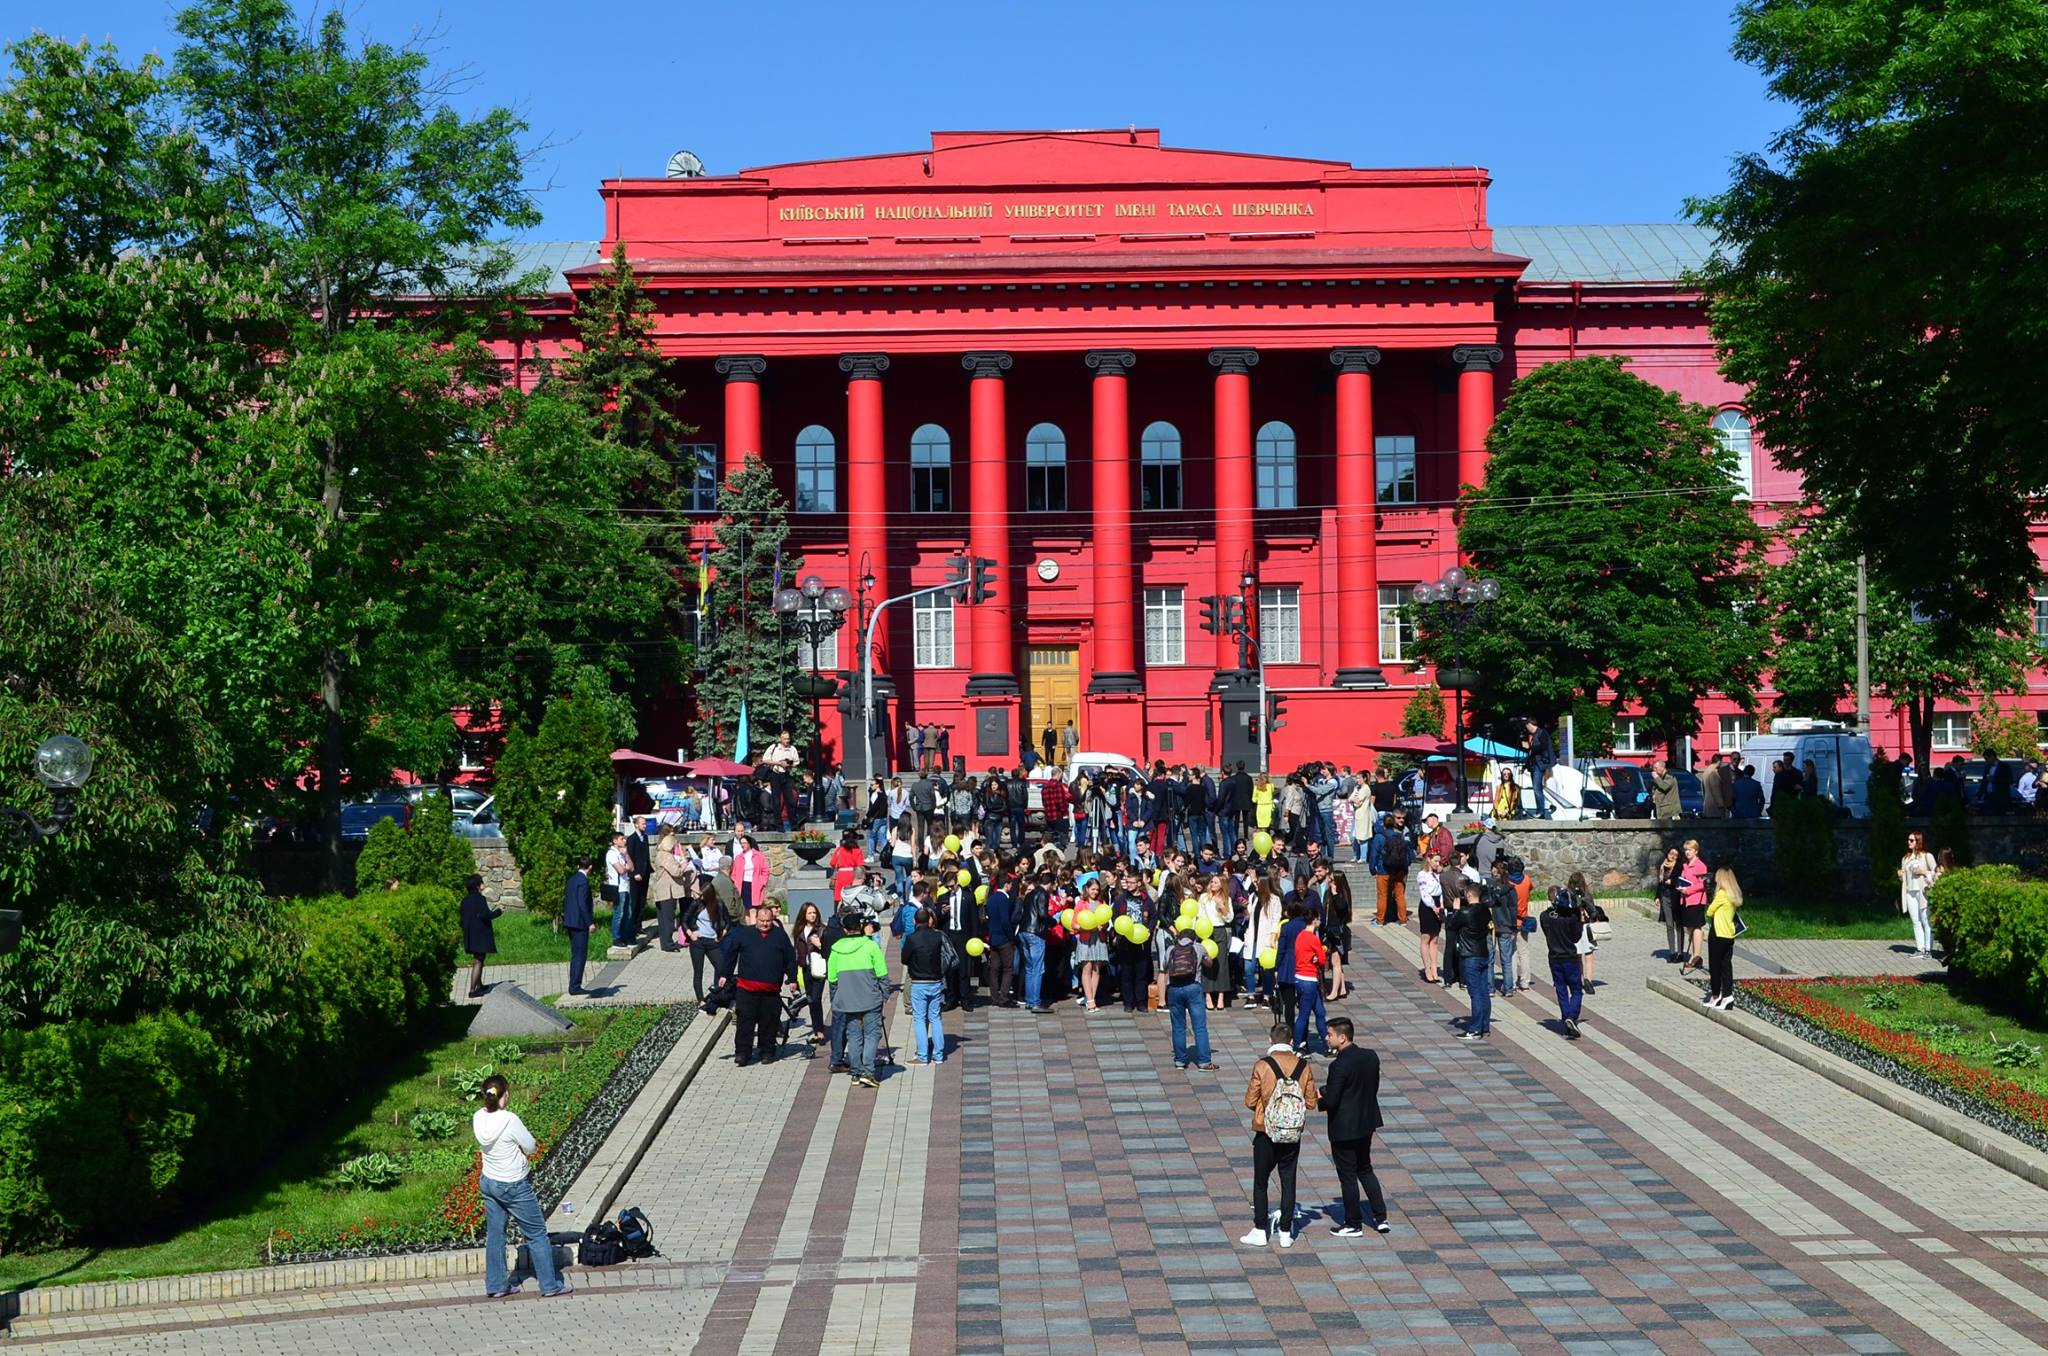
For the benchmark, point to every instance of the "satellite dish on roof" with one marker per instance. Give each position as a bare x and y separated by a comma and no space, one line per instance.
685,165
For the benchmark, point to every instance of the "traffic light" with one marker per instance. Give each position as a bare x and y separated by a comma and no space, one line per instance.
984,587
956,575
1211,607
1276,707
1233,616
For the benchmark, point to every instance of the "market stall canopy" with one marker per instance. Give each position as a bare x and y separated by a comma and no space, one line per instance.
1421,746
716,767
633,763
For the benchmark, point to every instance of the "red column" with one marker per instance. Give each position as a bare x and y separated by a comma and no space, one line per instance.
867,492
1475,363
1358,583
988,536
742,373
1116,648
1234,489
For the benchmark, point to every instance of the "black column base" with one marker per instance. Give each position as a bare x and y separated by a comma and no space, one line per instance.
1234,680
1359,678
992,685
1117,682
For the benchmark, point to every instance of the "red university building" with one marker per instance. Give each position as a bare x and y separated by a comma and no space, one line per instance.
1132,375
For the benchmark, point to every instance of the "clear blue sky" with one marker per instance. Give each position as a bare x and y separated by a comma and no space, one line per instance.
1584,110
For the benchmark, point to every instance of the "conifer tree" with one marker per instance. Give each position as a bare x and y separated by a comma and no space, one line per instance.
745,656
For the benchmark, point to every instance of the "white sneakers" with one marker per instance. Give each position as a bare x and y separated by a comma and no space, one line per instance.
1256,1238
1285,1239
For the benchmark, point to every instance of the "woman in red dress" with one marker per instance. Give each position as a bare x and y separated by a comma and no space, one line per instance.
846,861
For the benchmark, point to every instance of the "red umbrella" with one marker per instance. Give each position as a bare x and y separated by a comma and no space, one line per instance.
717,767
1424,745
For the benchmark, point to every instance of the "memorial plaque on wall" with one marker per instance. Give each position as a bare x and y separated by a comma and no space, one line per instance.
992,732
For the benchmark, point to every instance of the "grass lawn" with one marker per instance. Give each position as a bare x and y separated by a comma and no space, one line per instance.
296,1190
1951,1020
1772,918
526,938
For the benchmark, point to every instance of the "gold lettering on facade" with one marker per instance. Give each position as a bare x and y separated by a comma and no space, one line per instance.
1038,210
1272,209
1137,209
1194,209
857,212
1034,211
934,211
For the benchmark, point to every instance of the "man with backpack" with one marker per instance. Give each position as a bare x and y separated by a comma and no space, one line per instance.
1391,870
1564,923
1184,1002
1281,1094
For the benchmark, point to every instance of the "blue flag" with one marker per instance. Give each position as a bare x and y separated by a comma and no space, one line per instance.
739,753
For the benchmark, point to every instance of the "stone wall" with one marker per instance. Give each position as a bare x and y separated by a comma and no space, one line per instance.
1618,855
501,874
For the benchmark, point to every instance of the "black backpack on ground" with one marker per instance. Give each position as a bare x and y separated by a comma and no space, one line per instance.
600,1246
636,1235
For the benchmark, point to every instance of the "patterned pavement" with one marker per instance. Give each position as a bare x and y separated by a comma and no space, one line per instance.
1056,1186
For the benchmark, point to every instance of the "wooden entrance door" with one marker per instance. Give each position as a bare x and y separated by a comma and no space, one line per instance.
1052,693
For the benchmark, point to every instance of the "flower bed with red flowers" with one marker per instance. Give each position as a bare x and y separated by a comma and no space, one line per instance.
1807,1008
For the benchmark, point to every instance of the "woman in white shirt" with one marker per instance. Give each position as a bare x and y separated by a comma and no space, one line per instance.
1916,874
507,1191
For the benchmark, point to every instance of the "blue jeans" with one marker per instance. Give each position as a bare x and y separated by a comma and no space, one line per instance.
1473,974
1226,830
1566,977
1033,947
878,839
1504,954
864,1040
927,1027
1184,1004
517,1200
901,866
838,1037
1308,998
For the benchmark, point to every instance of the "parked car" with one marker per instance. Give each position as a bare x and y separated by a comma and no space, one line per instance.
479,821
1692,796
360,814
461,798
1840,758
1627,785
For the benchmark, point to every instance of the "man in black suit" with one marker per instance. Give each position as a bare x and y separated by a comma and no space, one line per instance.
643,867
959,919
1237,817
577,918
1351,1099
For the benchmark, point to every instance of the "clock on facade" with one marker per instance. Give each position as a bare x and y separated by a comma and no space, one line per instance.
1048,569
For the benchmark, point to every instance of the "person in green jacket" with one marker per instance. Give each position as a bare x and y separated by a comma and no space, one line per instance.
858,974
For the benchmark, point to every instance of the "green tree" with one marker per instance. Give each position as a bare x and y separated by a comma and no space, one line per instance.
1886,796
555,787
747,659
1999,731
1424,713
427,851
1877,275
1810,607
1611,519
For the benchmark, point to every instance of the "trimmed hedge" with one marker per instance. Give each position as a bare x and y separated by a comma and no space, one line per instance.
1993,923
107,1128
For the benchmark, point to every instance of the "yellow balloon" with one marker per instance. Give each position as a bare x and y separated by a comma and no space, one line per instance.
965,877
1103,913
1067,919
1203,929
1268,958
1139,932
952,842
1262,843
1211,948
981,894
975,946
1123,926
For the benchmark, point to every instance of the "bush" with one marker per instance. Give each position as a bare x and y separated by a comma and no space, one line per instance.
555,793
1887,825
1804,847
1949,826
370,1172
106,1128
433,1124
1993,923
427,852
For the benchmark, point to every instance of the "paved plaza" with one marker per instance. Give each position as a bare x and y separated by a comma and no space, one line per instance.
1664,1185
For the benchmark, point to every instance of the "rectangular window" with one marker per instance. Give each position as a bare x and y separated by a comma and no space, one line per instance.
475,752
1630,736
827,656
1737,731
1397,632
700,489
1165,627
931,488
932,632
1160,485
817,490
1952,730
1394,469
2041,618
1280,623
1045,488
2041,729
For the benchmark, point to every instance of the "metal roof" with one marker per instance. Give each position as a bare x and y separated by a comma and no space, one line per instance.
1649,252
1641,253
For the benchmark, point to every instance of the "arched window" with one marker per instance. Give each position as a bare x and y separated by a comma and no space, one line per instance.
1045,469
1159,466
817,472
1732,428
931,470
1276,466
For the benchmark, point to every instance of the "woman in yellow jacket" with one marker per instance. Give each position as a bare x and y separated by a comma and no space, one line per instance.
1262,803
1721,940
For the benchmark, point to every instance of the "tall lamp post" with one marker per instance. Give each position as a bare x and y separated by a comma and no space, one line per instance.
1461,603
811,612
63,766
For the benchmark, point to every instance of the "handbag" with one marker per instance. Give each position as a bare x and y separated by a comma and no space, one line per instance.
1740,926
816,964
1600,929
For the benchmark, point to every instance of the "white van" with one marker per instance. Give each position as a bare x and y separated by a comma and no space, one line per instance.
1840,757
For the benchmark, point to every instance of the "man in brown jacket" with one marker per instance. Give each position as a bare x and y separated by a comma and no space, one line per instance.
1279,1062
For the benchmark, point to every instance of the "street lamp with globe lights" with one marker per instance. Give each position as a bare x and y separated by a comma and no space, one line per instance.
1459,603
63,766
812,612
